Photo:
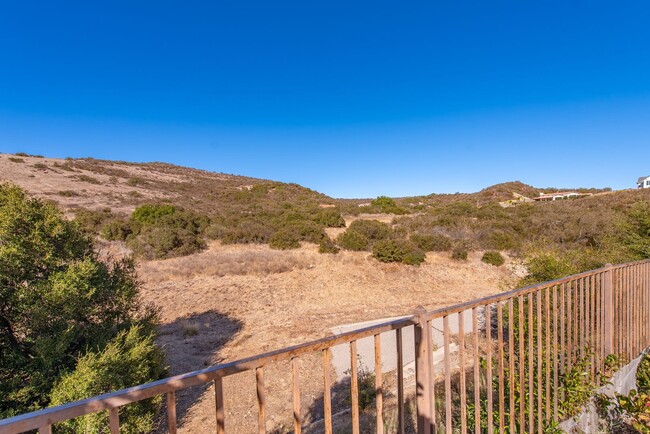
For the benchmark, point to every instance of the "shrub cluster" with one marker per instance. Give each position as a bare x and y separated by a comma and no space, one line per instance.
398,251
493,258
72,325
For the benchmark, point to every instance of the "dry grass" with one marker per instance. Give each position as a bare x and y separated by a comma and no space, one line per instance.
222,261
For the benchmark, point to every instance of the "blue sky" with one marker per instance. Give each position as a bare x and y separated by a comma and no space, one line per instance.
353,99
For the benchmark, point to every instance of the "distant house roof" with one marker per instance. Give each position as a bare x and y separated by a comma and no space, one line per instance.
641,179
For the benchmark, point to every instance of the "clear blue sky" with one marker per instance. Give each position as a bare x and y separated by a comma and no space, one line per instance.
353,99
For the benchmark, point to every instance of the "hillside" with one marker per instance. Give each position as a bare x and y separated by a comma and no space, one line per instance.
234,296
121,186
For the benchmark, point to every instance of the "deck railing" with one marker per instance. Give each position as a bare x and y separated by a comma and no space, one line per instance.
496,363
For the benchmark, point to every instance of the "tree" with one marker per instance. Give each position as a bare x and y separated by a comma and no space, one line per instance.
58,301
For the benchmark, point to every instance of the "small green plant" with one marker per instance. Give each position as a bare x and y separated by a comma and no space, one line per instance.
398,251
327,246
459,254
284,239
373,230
40,166
330,218
432,243
493,258
68,193
16,160
89,179
353,240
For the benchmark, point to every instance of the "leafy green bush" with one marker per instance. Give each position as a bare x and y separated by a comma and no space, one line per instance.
459,254
58,301
92,221
248,231
398,251
130,358
353,240
151,214
158,242
493,258
327,246
330,218
306,230
373,230
116,230
284,239
387,205
432,243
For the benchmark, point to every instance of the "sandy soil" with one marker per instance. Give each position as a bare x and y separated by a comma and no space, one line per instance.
231,302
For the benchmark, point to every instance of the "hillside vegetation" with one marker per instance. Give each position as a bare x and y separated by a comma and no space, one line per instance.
172,211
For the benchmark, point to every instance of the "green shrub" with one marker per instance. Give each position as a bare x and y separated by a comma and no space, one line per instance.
643,375
373,230
150,214
330,218
493,258
306,230
248,231
387,205
129,359
459,254
215,231
500,240
353,240
398,251
58,301
284,239
158,242
116,230
432,243
68,193
327,246
16,160
89,179
92,221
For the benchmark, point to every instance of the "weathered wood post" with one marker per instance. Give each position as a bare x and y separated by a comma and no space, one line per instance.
422,374
608,309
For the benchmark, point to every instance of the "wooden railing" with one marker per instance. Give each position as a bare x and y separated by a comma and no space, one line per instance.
505,370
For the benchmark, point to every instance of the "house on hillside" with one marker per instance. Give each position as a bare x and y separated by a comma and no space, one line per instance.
560,195
643,182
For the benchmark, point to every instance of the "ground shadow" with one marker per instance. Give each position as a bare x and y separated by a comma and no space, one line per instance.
191,343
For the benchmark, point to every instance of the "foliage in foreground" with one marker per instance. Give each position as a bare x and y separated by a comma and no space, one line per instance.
61,307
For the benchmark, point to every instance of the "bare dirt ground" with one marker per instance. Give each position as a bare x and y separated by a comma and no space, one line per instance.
231,302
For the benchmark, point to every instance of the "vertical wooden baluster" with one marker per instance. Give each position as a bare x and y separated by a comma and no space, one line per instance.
597,330
114,420
261,400
562,334
218,404
432,378
354,387
501,368
581,314
171,412
531,355
445,330
569,326
555,353
488,356
522,364
477,366
295,380
540,361
379,392
422,334
511,361
327,391
400,381
463,364
547,310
